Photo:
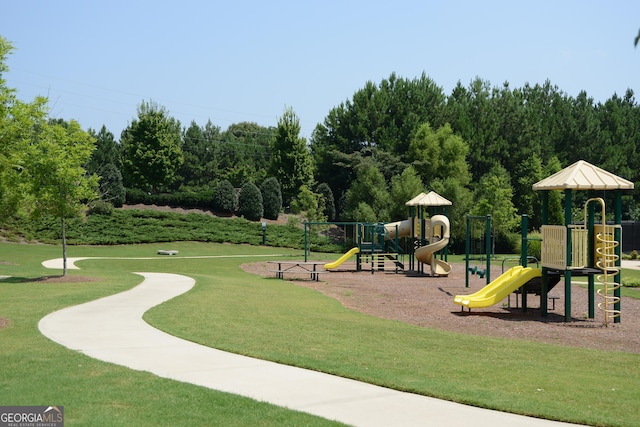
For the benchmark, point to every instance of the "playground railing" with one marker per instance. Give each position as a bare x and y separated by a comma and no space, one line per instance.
579,246
554,243
554,247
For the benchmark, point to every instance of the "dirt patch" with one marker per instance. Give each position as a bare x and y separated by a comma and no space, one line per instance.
428,302
3,322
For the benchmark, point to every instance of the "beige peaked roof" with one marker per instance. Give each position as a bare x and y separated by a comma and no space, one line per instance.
583,176
431,199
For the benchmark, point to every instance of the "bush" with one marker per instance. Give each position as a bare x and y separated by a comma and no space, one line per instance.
271,198
185,199
100,207
250,202
329,201
111,186
631,283
224,197
134,196
634,254
534,247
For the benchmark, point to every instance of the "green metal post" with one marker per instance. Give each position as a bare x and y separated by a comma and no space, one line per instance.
524,249
591,285
524,226
488,249
567,272
545,270
467,250
306,247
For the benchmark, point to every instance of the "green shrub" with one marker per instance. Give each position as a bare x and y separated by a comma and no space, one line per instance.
224,197
631,283
134,196
271,198
111,186
250,202
534,245
329,201
100,207
634,254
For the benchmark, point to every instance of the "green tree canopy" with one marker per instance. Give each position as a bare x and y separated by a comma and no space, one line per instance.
404,187
18,123
368,188
439,154
309,204
107,151
58,180
329,209
494,197
291,162
201,150
152,152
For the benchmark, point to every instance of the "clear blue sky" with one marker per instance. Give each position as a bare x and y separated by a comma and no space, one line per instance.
234,61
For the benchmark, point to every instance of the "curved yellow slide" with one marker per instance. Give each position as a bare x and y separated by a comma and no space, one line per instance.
343,258
425,254
500,288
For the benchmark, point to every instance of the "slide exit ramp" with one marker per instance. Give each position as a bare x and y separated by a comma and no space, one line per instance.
500,288
343,258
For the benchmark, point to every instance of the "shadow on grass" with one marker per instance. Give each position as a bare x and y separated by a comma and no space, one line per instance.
50,279
532,314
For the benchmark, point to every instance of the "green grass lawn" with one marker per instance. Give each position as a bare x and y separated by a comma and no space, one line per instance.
276,320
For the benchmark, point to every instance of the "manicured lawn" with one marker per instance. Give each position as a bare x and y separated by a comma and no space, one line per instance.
37,371
279,321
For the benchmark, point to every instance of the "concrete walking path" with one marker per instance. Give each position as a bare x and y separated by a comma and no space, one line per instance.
111,329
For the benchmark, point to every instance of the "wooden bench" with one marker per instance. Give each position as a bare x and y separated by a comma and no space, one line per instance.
298,267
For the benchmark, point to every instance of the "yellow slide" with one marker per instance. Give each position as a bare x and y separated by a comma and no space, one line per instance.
343,258
425,253
500,288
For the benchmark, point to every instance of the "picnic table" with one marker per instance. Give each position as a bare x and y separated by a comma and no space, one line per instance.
299,267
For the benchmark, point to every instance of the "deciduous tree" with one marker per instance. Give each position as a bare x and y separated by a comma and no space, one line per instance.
57,178
494,197
152,152
18,121
404,187
368,188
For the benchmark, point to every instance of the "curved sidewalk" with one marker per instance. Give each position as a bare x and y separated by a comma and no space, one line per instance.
111,329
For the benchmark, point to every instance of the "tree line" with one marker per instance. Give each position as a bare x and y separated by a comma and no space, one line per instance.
482,147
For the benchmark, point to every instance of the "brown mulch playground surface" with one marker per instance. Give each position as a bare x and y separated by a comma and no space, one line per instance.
428,301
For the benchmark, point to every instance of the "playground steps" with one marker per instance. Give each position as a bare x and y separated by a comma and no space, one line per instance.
378,260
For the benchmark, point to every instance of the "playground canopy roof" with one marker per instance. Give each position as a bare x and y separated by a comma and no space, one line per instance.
583,176
431,199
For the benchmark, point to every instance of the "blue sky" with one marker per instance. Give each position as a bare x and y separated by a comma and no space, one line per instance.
234,61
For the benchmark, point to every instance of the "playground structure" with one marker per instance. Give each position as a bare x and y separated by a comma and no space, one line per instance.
472,249
379,243
585,249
